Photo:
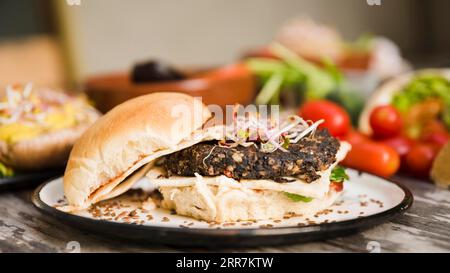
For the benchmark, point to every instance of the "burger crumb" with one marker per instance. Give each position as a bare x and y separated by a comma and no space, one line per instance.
121,215
132,213
165,219
148,205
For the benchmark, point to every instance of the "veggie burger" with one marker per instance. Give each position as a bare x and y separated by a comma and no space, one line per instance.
251,169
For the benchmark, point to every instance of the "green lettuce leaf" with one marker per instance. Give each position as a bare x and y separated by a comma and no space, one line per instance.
298,198
5,171
421,88
338,174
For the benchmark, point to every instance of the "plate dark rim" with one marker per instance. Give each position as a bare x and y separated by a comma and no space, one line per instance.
357,223
29,179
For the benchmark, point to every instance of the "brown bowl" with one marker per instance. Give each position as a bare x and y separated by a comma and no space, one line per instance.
223,86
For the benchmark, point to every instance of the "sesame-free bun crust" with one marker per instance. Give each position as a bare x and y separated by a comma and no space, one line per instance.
128,137
384,94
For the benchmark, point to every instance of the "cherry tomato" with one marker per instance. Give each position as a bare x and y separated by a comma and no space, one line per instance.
337,121
420,159
385,121
337,186
440,139
373,157
400,143
435,132
354,136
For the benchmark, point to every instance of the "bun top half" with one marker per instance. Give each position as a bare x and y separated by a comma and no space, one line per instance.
128,137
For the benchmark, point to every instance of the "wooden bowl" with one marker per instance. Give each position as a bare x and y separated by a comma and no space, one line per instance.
222,86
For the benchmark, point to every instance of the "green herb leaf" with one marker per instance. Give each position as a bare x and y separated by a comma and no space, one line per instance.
286,143
270,88
338,174
5,171
298,198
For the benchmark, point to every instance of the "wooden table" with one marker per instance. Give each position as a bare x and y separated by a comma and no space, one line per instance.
424,228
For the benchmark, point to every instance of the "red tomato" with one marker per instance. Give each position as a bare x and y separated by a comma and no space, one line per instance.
420,159
336,118
373,157
435,132
385,121
437,138
354,136
402,145
337,186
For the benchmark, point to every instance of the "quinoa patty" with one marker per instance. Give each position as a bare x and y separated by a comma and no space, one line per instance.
303,160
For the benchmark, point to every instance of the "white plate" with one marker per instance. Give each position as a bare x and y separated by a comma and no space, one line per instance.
367,200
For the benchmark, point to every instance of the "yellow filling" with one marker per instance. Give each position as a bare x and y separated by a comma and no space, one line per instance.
61,119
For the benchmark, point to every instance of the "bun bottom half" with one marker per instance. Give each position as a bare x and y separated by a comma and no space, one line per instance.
212,204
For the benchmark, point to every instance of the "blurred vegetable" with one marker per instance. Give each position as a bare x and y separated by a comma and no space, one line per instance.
402,145
286,71
353,103
316,79
370,156
419,115
363,44
270,89
386,122
354,136
420,159
5,171
435,132
336,120
422,88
